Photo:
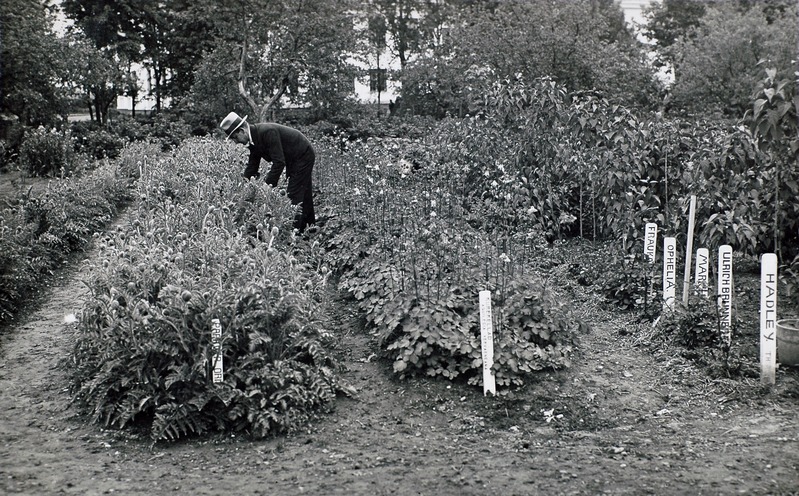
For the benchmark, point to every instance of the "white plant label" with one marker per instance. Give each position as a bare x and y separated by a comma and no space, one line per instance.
487,341
768,318
702,276
669,271
216,344
725,293
650,241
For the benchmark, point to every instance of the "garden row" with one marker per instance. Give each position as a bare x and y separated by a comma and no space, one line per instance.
202,245
38,231
92,169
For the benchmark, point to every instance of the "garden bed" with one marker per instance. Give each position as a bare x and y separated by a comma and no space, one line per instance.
621,420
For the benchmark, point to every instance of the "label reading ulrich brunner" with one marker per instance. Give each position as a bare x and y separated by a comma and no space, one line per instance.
725,293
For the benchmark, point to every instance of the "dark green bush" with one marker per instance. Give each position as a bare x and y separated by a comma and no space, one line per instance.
95,141
168,130
128,128
46,153
627,282
693,326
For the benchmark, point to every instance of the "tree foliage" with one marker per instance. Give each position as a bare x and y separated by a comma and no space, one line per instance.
291,49
670,20
31,57
166,37
716,68
714,48
97,75
583,45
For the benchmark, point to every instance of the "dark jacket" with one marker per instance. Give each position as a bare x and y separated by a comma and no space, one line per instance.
285,147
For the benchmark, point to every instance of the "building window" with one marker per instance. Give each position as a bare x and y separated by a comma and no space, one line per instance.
377,80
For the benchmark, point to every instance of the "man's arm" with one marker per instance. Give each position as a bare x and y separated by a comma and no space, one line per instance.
252,166
272,141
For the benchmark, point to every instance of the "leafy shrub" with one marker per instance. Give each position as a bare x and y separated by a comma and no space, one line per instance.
627,281
46,153
128,129
95,141
432,326
143,351
168,130
23,262
38,231
696,328
695,325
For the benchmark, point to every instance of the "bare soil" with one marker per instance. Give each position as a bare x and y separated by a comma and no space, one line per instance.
622,420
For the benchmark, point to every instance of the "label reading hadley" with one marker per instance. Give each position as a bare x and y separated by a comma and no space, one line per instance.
768,318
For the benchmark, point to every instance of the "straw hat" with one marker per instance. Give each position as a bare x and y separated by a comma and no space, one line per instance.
231,123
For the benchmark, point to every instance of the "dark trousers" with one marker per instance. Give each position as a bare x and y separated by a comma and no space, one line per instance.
300,190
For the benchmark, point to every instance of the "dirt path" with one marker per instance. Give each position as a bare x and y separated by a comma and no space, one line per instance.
620,422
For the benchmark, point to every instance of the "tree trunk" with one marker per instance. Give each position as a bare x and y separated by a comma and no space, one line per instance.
268,105
98,109
157,74
260,111
89,104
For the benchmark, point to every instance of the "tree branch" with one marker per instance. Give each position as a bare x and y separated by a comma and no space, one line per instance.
242,72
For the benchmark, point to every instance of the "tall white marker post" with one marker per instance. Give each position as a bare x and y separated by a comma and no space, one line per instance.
650,252
216,344
725,293
768,318
669,272
487,341
689,249
650,241
702,277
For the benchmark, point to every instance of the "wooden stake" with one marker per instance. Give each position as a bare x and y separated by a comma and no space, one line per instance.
216,343
650,241
686,282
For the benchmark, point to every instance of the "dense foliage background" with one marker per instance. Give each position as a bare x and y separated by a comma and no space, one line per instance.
204,57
